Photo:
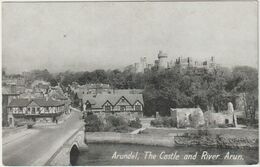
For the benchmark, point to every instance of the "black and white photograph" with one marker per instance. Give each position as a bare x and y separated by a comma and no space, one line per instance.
130,83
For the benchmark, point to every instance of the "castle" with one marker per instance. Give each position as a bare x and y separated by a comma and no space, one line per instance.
163,63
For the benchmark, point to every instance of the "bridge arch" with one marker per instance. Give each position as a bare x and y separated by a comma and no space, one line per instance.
74,153
68,153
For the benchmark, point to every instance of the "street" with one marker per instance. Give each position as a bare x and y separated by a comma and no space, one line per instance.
37,148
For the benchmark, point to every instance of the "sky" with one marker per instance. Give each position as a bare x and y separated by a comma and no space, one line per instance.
83,36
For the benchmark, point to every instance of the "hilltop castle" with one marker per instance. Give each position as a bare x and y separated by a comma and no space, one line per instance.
163,63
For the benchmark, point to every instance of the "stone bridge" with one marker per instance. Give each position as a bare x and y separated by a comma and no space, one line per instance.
68,153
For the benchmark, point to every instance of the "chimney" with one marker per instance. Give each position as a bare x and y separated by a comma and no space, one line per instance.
29,97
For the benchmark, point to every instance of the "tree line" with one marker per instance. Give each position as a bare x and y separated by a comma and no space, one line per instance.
175,87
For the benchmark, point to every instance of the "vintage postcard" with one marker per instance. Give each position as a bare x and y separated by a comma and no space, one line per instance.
119,83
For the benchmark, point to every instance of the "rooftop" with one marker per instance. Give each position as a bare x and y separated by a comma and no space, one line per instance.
42,102
99,100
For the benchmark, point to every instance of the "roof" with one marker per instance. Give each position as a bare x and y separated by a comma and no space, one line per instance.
57,95
8,91
80,93
19,103
42,102
127,91
97,86
100,99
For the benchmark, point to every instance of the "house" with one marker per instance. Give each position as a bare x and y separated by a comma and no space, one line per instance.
59,96
39,85
8,95
38,110
187,117
126,105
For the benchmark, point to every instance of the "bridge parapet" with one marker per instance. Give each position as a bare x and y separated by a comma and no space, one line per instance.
67,154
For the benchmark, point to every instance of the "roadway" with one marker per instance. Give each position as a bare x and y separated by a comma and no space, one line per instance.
37,148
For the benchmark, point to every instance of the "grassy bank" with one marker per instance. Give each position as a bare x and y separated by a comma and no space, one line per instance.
124,138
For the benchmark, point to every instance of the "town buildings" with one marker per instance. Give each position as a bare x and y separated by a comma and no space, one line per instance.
37,110
37,101
8,95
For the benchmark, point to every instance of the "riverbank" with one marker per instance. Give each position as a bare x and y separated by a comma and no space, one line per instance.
219,141
125,138
171,138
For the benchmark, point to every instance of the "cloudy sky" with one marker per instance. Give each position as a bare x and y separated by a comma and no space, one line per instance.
108,35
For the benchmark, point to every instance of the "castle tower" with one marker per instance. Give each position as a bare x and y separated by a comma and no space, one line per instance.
162,60
142,65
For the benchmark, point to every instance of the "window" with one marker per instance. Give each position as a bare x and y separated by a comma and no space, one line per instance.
107,108
33,110
138,108
122,108
226,121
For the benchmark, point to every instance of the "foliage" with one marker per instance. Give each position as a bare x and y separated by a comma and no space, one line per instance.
135,123
173,88
116,124
156,123
164,122
30,124
169,122
93,123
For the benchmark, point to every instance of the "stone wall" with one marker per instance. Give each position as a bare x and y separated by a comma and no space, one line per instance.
188,117
218,118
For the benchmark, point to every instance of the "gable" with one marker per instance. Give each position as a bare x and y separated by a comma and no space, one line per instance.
33,104
138,103
107,103
122,101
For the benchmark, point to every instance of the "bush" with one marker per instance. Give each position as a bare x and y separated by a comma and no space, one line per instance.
30,124
116,124
203,131
135,123
93,124
164,122
169,122
222,126
156,123
116,121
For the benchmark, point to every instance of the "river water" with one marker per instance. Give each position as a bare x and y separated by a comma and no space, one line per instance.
129,154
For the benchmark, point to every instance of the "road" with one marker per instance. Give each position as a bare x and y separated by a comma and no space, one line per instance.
37,148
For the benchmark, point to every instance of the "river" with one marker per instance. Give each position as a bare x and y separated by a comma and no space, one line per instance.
128,154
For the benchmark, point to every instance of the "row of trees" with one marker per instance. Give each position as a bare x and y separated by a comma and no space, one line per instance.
180,88
173,88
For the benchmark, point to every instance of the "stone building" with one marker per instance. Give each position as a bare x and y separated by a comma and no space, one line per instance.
187,117
221,118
